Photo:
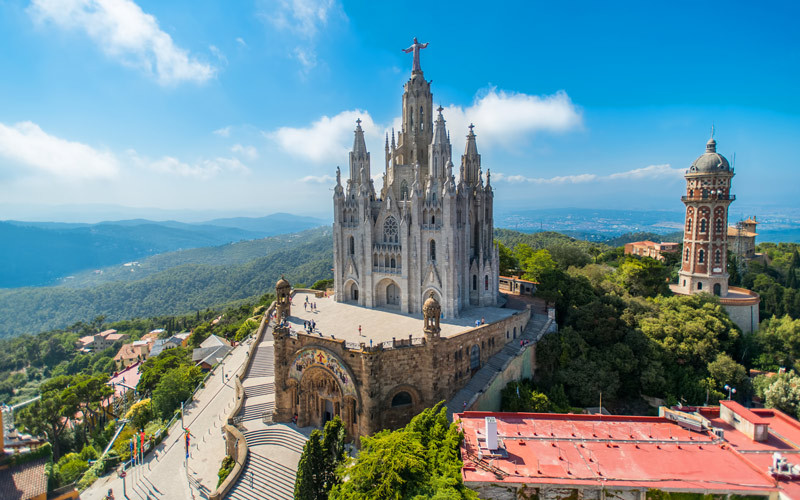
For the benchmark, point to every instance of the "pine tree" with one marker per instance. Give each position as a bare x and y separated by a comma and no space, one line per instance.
322,454
310,482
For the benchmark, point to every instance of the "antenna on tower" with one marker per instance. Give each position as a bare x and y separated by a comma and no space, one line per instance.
712,130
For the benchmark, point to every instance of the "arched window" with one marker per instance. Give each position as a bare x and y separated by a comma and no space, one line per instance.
352,246
390,230
432,252
699,285
689,225
486,282
691,193
404,190
401,399
393,264
474,282
718,226
702,225
701,256
475,357
717,257
686,258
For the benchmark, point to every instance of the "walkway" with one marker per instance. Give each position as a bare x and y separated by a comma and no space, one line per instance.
165,477
537,327
275,449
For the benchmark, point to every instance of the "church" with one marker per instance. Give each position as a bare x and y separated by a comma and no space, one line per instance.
416,314
426,231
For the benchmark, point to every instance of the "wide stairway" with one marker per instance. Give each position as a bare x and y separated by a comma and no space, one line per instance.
537,327
274,449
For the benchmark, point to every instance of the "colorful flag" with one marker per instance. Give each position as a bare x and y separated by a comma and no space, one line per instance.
188,442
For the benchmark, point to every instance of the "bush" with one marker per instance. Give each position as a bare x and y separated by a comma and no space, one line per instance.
225,469
140,413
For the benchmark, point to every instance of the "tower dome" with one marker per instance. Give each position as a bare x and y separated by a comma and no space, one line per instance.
431,306
282,284
710,161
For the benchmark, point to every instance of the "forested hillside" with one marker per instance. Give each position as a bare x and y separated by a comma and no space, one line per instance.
185,288
39,253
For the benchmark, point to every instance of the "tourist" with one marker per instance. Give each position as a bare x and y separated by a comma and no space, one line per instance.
110,495
294,418
359,331
483,321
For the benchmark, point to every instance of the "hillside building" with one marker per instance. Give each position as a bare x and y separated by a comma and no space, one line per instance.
704,263
100,341
726,451
651,249
424,232
416,313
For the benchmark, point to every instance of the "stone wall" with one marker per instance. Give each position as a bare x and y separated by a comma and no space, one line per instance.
745,316
428,369
521,367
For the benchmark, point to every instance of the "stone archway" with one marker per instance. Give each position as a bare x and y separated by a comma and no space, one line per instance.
319,398
388,294
351,291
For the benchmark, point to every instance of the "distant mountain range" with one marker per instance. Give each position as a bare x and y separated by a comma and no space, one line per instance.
40,253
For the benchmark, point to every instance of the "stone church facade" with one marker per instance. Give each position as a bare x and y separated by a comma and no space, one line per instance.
424,232
421,247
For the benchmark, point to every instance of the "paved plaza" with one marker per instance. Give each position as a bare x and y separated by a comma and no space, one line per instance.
342,320
164,475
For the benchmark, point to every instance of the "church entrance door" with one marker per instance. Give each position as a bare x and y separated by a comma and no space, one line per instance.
393,295
328,414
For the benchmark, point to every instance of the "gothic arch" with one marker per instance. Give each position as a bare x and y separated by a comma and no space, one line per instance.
388,294
351,291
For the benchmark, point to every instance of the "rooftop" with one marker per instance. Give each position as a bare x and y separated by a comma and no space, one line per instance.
343,320
630,451
24,481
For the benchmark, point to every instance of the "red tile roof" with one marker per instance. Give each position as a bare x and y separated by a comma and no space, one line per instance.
24,481
626,451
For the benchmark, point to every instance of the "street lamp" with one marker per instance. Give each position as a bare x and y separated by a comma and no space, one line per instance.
731,390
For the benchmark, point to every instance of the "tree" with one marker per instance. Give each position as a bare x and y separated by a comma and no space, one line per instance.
725,371
415,462
174,388
90,393
140,413
783,393
322,455
310,482
155,368
643,277
508,263
50,415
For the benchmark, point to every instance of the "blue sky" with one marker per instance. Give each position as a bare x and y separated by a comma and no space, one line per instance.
246,108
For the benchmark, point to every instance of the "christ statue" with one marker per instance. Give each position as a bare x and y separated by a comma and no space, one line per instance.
415,47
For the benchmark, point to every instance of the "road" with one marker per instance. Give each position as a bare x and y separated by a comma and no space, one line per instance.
164,475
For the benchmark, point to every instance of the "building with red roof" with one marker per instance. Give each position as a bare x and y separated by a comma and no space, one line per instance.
650,249
725,450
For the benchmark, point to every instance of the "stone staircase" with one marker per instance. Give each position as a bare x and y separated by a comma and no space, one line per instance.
537,327
263,360
263,479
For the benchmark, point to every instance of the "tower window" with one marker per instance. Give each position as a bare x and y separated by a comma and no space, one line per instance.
689,225
702,225
686,258
717,257
352,246
699,285
433,250
486,282
474,282
701,256
719,226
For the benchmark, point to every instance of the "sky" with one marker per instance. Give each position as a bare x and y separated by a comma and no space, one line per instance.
191,109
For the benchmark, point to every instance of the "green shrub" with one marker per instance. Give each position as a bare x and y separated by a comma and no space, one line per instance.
225,469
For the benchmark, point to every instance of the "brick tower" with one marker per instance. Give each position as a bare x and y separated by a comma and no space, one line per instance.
705,238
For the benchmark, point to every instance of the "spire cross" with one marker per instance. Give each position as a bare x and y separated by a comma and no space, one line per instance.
440,109
471,126
358,122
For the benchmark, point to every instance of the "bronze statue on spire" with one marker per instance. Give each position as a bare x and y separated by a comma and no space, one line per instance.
416,47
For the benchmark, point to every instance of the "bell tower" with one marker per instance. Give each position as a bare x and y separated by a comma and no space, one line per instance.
704,263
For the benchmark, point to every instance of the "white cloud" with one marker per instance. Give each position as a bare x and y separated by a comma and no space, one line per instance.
241,41
248,152
218,54
303,20
652,172
223,132
318,179
501,117
326,140
27,144
203,169
125,32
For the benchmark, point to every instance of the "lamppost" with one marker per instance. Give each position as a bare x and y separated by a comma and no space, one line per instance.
731,390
